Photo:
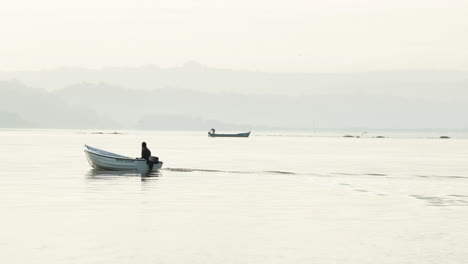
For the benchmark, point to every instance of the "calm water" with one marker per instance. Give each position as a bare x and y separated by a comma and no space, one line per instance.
267,199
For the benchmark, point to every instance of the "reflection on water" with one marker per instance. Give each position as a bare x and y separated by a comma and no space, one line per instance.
151,175
103,174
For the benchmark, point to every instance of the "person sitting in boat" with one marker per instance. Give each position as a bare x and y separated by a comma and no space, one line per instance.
145,152
212,131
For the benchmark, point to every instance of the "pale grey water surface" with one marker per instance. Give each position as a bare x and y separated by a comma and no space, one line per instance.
269,198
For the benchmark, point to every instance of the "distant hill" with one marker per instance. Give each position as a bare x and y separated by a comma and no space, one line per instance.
181,108
415,84
13,120
96,106
197,97
41,109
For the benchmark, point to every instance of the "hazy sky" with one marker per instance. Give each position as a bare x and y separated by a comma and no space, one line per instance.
332,35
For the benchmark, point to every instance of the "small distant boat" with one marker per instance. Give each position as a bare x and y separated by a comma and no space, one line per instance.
104,160
445,137
212,133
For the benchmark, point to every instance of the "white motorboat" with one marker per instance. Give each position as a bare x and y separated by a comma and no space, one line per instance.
104,160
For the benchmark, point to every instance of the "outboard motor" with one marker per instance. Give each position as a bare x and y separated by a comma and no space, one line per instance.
151,161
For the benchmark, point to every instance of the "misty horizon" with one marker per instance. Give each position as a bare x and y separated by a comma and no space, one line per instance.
197,97
247,64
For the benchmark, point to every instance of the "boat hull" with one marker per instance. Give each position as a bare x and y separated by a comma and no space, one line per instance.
229,135
102,160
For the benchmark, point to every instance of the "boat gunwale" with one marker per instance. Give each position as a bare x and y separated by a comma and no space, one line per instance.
107,156
117,158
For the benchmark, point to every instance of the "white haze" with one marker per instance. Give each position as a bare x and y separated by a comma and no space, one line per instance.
234,64
282,36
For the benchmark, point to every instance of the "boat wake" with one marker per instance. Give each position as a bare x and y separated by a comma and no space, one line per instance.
191,170
449,200
274,172
443,176
225,171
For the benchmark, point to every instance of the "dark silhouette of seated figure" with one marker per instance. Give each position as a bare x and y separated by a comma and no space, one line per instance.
146,154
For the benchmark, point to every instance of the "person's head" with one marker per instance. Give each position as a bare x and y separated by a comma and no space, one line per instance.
143,144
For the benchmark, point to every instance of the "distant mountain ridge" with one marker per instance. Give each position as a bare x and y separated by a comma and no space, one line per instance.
179,105
41,109
13,120
307,112
425,84
90,106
